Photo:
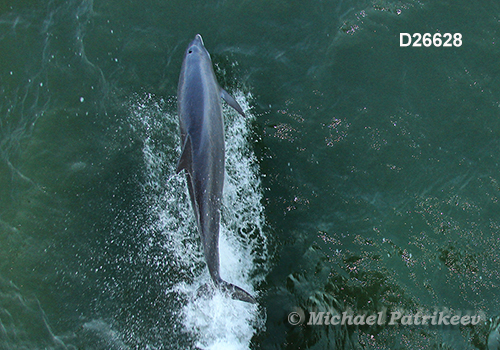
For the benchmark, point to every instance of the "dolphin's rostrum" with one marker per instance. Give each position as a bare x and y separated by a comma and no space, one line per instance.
202,156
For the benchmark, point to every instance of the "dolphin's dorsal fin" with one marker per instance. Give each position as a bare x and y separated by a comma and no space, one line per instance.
231,101
185,160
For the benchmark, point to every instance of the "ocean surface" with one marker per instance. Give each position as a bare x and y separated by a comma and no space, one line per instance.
364,179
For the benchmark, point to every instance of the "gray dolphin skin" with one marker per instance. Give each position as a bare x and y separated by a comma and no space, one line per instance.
202,156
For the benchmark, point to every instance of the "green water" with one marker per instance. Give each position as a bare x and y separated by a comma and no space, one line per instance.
366,176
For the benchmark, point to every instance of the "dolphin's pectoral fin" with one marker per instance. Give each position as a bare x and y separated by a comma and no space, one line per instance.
231,101
236,292
185,160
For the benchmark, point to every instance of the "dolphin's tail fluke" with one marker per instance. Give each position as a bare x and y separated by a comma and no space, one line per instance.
236,292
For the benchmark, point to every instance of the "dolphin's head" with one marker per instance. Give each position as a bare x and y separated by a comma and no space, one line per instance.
197,49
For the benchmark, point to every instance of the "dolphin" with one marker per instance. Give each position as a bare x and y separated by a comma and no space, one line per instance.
202,156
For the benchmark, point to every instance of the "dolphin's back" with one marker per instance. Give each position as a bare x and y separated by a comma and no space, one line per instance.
202,136
202,158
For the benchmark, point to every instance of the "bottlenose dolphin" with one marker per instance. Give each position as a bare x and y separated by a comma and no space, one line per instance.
202,156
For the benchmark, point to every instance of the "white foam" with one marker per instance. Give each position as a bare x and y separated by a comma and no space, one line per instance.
106,334
215,321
